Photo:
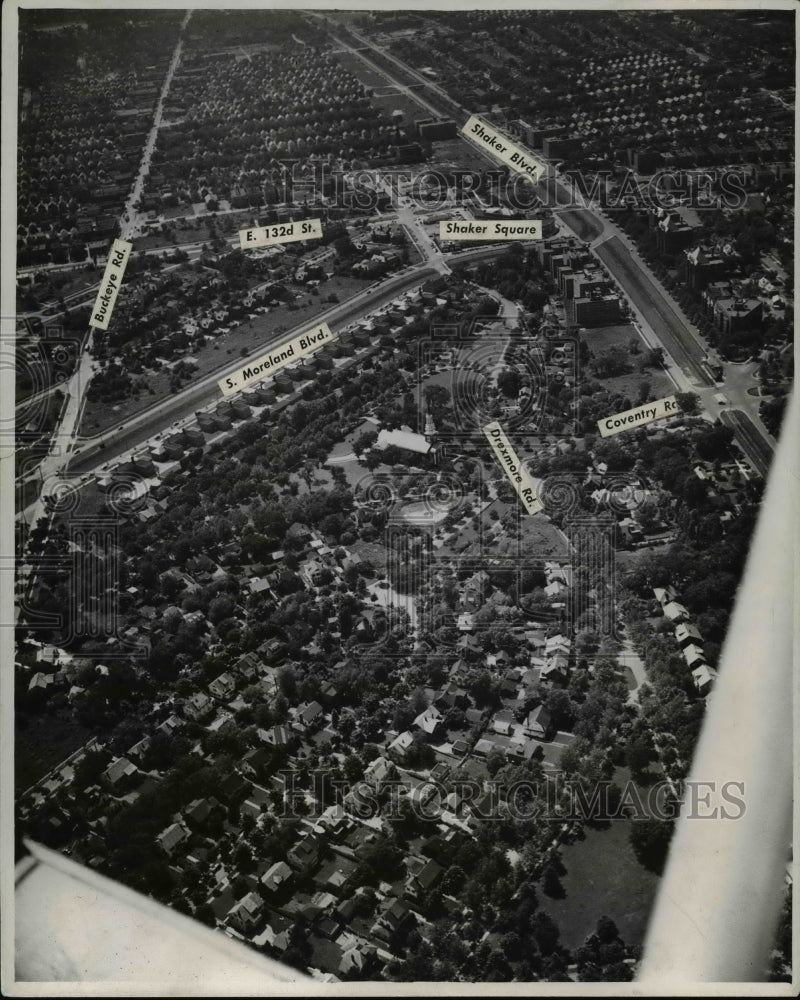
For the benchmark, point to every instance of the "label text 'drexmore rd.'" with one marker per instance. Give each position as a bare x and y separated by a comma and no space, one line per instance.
513,468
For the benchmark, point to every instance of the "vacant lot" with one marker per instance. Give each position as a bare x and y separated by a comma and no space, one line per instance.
661,314
196,230
602,338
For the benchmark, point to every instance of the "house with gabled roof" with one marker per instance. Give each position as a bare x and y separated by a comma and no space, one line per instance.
309,714
247,666
693,655
557,644
417,884
199,707
246,913
41,681
277,876
664,594
138,750
305,853
675,612
400,746
378,771
395,916
172,837
360,958
687,634
254,761
554,667
430,720
120,774
197,812
503,722
537,722
171,725
277,736
703,678
223,687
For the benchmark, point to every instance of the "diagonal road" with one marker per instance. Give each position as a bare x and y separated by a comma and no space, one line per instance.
670,327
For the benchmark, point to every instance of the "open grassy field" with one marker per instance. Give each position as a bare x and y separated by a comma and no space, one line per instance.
601,339
42,741
603,878
582,223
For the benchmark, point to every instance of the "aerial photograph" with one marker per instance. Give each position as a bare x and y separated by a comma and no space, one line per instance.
397,397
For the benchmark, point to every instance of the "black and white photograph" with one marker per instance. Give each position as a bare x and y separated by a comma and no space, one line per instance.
399,499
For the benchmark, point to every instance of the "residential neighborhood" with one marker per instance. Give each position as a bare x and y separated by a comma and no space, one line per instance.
295,660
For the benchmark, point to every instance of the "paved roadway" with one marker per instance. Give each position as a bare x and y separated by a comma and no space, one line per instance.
657,308
670,326
104,447
141,426
753,442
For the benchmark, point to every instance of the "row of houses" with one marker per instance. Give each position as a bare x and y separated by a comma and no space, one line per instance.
688,638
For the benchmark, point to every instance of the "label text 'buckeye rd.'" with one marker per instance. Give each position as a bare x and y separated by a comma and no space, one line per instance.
491,229
644,414
513,468
503,149
280,232
111,283
276,359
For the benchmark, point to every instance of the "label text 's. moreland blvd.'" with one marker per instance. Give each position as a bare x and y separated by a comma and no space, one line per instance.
273,361
644,414
513,468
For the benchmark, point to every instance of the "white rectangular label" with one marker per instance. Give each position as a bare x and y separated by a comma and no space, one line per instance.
111,283
491,229
488,138
644,414
280,232
512,467
277,358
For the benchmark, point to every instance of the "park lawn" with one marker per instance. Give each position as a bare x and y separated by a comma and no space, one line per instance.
99,416
603,878
42,741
